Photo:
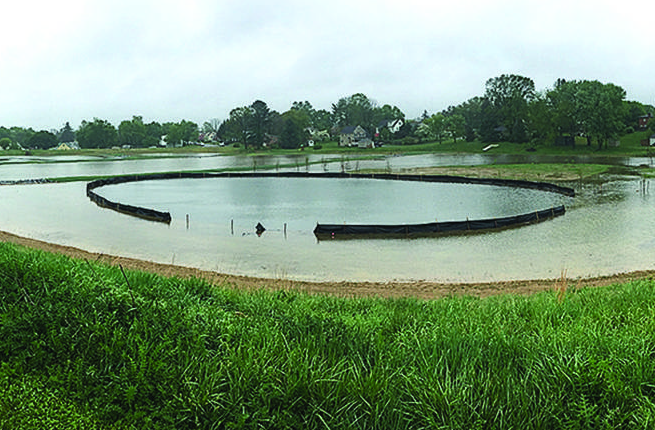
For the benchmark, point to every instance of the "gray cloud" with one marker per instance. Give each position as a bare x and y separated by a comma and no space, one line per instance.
197,60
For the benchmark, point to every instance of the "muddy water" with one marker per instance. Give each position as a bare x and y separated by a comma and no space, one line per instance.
606,230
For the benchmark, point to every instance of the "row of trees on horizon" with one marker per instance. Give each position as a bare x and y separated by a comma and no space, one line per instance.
511,109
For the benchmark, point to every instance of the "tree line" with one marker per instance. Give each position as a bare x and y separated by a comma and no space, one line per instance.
100,133
511,109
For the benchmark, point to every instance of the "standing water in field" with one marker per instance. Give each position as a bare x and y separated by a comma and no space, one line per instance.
607,229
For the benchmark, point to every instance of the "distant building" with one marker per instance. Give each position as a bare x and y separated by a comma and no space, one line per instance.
643,121
67,146
355,136
393,125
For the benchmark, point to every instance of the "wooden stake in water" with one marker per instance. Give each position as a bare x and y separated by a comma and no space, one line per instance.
187,221
232,227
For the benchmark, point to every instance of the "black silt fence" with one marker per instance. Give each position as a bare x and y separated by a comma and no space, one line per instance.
154,215
137,211
351,231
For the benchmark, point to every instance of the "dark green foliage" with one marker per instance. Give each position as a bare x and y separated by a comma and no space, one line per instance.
293,130
42,140
66,134
6,143
133,132
97,134
181,133
80,342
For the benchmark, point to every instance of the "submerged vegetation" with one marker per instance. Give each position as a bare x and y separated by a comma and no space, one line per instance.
86,345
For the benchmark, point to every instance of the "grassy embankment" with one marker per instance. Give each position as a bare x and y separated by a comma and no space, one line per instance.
83,345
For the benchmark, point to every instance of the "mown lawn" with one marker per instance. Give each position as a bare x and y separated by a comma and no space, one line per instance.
83,345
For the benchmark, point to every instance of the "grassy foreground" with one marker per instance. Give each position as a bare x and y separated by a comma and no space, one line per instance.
84,345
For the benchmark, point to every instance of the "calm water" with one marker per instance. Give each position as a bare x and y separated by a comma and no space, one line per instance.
301,203
606,230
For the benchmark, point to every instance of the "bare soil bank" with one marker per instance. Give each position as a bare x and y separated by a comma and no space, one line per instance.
419,289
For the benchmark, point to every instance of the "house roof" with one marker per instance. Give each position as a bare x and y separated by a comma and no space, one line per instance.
348,129
388,122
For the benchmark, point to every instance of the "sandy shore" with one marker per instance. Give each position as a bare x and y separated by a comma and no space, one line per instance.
420,289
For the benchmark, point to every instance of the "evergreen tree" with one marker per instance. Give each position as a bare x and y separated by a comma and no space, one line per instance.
66,134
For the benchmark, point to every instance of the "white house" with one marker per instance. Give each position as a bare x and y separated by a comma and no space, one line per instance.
393,125
354,136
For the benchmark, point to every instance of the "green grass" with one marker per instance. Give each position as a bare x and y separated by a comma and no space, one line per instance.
82,346
629,147
546,171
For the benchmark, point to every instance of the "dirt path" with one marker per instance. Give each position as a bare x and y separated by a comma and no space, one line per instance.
419,289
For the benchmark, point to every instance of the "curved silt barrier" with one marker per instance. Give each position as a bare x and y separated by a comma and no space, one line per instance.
355,231
332,230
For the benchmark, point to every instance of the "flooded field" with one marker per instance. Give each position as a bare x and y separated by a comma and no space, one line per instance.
607,229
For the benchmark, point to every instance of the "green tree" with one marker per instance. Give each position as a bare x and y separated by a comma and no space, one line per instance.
471,110
239,125
436,126
540,119
5,143
261,121
293,129
317,119
132,132
491,128
154,132
97,134
174,134
455,126
510,96
322,120
306,112
564,105
602,111
20,135
42,140
355,110
182,133
66,134
423,132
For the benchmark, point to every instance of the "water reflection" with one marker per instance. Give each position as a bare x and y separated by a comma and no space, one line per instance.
608,227
305,201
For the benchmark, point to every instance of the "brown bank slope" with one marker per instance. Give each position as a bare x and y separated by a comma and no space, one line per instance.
419,289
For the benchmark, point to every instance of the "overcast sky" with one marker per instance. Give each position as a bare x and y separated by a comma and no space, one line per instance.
197,59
